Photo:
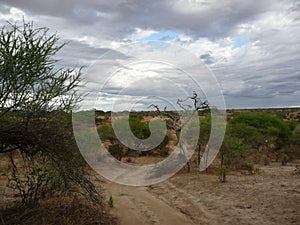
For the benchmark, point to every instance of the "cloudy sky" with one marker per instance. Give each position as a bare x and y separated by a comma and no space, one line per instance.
251,47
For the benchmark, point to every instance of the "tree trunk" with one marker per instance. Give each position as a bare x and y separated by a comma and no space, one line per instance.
222,159
198,155
223,177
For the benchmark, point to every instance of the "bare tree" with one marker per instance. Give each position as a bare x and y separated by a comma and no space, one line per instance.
197,105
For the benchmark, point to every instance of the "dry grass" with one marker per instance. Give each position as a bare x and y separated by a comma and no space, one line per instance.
59,210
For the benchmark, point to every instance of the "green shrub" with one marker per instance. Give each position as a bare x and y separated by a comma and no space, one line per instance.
111,201
285,159
116,150
257,170
249,167
98,120
222,174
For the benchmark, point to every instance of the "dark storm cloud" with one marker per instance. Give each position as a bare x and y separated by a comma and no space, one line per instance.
207,58
263,83
78,52
218,18
266,75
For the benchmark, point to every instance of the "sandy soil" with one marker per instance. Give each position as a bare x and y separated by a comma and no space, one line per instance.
271,197
136,205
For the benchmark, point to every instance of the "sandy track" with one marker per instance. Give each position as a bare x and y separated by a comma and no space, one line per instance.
272,197
135,205
269,198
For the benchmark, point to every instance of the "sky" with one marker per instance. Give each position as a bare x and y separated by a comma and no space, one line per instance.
138,52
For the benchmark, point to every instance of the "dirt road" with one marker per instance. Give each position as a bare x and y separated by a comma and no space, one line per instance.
136,205
271,197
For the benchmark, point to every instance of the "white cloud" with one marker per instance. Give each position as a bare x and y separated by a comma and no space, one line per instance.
14,14
253,49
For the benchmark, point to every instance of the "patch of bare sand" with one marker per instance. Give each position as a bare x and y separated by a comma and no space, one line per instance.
135,205
271,197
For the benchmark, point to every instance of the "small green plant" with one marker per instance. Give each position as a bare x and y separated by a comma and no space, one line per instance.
285,160
98,120
257,170
222,174
111,201
249,167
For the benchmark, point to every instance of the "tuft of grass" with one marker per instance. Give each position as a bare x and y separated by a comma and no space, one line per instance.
249,167
222,174
257,171
111,201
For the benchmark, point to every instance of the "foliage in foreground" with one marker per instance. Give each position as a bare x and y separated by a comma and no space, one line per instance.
68,210
36,98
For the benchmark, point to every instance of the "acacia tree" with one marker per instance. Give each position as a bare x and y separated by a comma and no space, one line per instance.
205,123
36,98
197,105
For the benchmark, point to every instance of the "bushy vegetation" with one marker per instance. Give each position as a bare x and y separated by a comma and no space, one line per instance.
250,138
222,174
255,136
139,128
36,98
72,209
